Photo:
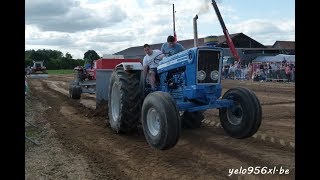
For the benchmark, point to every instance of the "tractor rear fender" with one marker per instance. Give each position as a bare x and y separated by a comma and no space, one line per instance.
130,66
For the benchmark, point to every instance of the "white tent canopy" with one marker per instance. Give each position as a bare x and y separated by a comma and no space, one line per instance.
277,58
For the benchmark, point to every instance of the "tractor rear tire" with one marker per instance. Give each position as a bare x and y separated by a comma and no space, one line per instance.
75,91
160,120
244,119
192,120
125,100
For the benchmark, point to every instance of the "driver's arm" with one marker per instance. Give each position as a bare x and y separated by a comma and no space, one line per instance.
145,67
145,71
162,48
162,56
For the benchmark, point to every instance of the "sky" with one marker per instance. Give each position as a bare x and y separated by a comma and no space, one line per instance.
110,26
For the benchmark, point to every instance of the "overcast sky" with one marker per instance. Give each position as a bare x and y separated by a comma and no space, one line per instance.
109,26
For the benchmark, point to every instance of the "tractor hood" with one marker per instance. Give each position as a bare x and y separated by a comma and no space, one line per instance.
177,60
183,58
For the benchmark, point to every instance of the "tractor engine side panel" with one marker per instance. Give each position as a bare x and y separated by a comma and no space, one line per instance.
178,75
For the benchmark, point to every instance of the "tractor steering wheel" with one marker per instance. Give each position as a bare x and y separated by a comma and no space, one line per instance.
156,59
167,53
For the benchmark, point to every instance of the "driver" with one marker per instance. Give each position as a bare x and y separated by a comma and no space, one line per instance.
150,63
171,47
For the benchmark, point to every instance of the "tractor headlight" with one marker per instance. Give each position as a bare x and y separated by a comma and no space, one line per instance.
214,75
201,75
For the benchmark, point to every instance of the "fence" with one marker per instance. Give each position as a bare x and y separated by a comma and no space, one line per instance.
277,75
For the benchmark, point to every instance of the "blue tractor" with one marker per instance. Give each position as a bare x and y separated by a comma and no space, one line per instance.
188,84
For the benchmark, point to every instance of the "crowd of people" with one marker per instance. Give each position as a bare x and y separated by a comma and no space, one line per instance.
265,71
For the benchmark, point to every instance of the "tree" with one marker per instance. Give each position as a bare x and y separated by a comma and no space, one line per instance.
53,59
68,56
90,56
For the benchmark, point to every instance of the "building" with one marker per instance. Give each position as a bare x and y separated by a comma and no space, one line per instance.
287,46
247,48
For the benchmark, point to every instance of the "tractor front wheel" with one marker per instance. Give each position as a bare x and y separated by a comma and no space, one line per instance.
160,120
243,119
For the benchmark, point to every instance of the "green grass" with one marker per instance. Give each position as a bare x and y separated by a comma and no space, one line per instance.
60,71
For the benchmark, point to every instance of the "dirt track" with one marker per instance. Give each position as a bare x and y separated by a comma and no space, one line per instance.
76,142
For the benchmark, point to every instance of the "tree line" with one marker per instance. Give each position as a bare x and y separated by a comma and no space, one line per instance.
54,59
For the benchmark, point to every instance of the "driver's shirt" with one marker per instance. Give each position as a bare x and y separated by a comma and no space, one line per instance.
165,48
149,60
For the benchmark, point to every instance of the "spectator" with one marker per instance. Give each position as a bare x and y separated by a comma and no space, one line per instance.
238,70
292,72
250,70
288,72
226,71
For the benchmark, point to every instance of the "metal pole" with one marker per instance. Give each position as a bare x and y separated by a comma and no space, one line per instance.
174,21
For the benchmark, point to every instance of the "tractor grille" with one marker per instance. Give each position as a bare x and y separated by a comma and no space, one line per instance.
208,61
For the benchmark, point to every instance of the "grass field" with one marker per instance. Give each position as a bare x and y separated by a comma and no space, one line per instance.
60,71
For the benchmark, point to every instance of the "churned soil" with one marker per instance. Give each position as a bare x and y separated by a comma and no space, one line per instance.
74,140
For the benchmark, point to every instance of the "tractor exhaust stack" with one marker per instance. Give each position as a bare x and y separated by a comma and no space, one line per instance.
195,31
